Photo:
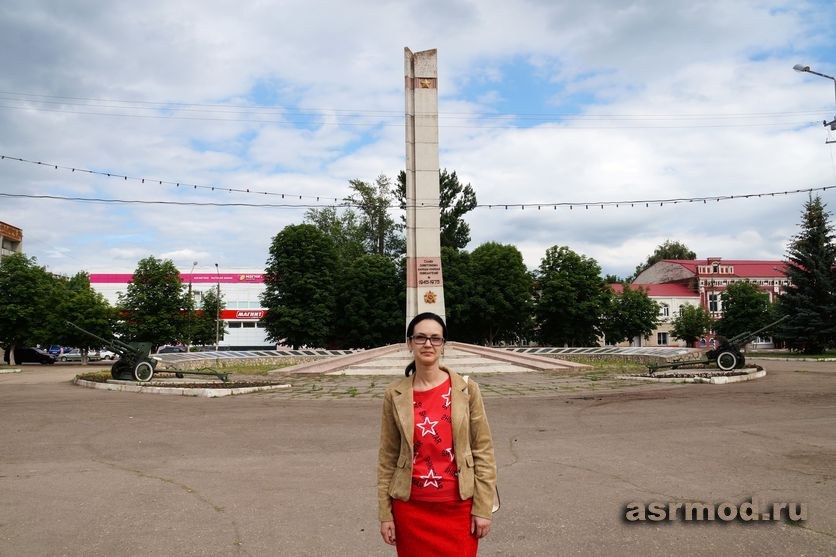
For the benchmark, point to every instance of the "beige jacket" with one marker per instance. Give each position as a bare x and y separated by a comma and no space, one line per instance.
472,444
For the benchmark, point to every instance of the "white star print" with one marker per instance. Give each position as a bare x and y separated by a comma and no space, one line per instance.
427,427
446,397
430,479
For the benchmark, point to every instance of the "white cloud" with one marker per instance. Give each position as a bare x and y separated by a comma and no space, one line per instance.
677,98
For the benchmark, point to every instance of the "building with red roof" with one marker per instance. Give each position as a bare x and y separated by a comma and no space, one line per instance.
673,283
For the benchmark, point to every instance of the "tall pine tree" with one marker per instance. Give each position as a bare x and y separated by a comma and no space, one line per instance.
810,298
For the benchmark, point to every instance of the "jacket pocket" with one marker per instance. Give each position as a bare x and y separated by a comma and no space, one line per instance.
400,485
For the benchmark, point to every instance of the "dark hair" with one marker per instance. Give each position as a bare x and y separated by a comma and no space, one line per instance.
410,329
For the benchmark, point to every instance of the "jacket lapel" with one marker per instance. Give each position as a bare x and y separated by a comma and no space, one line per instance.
404,408
460,407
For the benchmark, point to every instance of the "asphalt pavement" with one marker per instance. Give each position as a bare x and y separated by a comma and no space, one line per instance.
90,472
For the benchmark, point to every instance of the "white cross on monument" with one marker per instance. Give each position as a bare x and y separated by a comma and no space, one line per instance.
424,283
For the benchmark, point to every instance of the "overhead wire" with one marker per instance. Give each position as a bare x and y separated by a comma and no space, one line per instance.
278,114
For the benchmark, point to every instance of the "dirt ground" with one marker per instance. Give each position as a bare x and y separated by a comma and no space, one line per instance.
89,472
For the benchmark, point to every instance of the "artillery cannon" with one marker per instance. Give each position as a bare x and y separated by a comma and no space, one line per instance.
727,355
135,361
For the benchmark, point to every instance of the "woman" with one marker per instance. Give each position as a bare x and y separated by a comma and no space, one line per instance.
436,470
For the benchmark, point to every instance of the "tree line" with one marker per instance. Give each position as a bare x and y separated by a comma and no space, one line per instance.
35,306
337,280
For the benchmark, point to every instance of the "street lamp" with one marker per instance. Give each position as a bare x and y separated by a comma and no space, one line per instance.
218,302
806,69
190,309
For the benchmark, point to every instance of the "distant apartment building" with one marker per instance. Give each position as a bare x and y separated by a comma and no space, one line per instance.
674,283
11,239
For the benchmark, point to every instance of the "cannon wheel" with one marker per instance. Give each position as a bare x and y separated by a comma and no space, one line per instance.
727,361
143,371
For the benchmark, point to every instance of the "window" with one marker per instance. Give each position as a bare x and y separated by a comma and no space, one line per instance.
662,339
714,303
249,324
664,310
234,324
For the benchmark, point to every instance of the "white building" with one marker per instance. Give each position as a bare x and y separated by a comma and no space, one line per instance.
11,239
240,292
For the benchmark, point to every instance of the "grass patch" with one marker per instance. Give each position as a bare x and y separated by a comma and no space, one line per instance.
95,376
604,367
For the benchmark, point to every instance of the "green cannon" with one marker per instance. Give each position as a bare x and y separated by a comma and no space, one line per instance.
726,356
135,361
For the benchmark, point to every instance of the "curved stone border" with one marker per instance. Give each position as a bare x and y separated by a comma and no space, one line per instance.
180,391
716,380
11,370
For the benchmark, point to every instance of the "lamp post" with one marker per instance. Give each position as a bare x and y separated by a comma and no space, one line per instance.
218,312
806,69
190,309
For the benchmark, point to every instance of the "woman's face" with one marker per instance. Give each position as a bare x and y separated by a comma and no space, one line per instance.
426,354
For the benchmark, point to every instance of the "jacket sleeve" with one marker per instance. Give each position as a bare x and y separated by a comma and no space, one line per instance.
387,457
481,446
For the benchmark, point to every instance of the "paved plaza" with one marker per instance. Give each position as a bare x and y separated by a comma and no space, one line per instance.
89,472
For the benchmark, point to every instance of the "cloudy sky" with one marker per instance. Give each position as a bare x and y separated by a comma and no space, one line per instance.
540,101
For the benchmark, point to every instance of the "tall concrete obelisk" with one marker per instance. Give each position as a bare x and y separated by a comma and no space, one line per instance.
424,283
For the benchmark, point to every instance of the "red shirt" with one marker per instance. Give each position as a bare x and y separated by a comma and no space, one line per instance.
434,475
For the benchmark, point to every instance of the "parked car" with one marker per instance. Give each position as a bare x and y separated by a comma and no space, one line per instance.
107,355
56,349
31,356
171,349
74,355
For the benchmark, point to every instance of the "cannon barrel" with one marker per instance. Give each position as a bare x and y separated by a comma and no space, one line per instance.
744,338
117,345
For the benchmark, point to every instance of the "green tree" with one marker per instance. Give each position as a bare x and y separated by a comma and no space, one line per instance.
459,287
629,314
667,250
571,298
155,304
810,298
26,296
691,323
455,201
343,228
369,312
80,304
206,326
300,287
745,308
377,226
501,302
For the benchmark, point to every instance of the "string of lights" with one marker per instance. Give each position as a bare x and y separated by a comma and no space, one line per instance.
158,181
321,200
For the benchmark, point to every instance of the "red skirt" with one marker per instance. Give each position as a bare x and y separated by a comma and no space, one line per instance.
434,528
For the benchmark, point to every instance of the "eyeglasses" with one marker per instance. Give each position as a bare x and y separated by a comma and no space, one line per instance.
421,340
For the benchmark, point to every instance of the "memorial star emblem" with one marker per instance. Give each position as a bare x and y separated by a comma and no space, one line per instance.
430,479
430,297
427,427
